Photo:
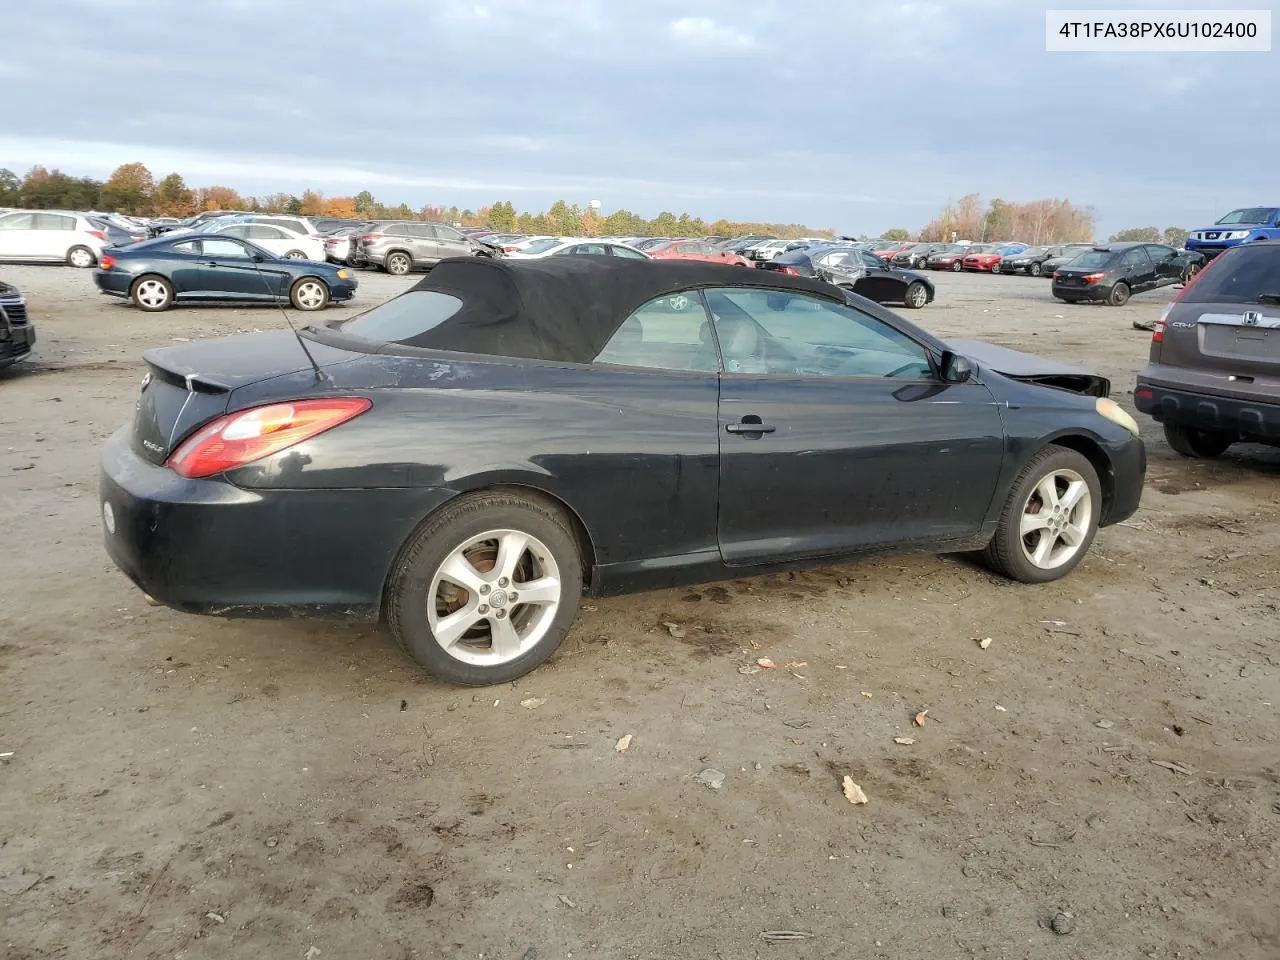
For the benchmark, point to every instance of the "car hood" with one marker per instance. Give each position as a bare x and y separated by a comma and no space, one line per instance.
1224,227
1029,368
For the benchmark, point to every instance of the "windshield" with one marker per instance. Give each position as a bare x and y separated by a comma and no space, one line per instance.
541,246
1034,251
1250,215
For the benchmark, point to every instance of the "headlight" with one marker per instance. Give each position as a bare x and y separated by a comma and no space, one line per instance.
343,275
1112,411
1235,235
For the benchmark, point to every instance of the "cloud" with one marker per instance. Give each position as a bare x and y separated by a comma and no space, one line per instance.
860,116
705,32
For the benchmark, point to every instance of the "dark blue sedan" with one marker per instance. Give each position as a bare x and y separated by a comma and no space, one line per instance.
157,273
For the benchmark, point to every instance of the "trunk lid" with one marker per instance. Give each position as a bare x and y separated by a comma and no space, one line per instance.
189,385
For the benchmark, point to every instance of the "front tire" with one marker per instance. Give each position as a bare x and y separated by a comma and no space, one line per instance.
399,264
81,257
151,293
1049,519
309,294
957,267
917,295
1034,269
1119,294
487,589
995,268
1197,444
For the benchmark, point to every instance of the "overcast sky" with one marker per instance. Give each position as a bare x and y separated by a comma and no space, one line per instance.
851,114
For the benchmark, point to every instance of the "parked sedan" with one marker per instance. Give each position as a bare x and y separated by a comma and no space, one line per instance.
50,235
860,271
988,261
915,255
950,256
1112,273
156,274
1032,260
423,462
696,250
17,332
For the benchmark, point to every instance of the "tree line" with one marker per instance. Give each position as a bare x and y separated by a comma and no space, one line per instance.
133,189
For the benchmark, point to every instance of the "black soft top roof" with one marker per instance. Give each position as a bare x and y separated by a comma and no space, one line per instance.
567,308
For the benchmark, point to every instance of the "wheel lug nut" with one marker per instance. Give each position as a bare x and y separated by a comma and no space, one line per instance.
513,597
500,614
484,588
484,608
502,581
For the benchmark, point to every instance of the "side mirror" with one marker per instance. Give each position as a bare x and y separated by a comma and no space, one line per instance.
259,258
955,368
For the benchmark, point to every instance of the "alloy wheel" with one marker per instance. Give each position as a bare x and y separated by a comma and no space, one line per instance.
494,597
152,294
310,295
81,257
1056,519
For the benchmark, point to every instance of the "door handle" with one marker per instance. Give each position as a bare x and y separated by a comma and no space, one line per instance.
750,424
211,263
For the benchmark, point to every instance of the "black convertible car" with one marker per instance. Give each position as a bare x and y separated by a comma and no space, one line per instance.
858,270
468,458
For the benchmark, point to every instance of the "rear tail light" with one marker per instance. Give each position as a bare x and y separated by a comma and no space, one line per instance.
248,435
789,271
1143,393
371,236
1157,332
106,262
1092,277
97,233
510,249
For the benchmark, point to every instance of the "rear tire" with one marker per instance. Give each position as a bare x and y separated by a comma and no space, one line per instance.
995,267
1043,533
1197,444
496,542
1034,269
399,264
309,294
957,267
151,293
1119,294
81,257
295,255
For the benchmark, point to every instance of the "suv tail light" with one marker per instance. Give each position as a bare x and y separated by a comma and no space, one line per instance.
371,236
789,271
1093,277
97,233
248,435
106,261
1157,332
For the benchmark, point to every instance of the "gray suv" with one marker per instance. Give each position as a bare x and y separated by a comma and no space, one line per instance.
1213,376
399,246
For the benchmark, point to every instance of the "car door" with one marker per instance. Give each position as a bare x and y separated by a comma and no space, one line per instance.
451,242
228,269
1165,264
879,283
15,235
52,235
185,262
1137,270
835,435
423,243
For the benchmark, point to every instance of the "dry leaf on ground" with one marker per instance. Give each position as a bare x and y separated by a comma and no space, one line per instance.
852,792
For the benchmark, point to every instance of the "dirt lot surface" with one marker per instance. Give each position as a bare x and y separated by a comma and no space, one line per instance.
191,788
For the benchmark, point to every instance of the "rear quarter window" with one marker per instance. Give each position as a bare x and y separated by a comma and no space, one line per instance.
405,317
1237,276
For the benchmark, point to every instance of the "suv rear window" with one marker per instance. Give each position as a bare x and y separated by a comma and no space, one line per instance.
1238,276
404,317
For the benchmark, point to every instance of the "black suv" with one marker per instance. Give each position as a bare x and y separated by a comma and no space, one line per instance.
17,335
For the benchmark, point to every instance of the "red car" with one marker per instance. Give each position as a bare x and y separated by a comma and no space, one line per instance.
887,251
695,250
988,259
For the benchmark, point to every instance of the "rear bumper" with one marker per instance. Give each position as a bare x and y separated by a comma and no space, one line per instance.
114,282
208,546
1247,419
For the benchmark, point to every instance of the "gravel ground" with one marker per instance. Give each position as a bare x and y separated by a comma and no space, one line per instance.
192,788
